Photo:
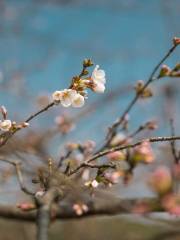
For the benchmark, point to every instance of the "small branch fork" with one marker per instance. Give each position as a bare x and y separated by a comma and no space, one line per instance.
119,148
113,128
4,137
17,165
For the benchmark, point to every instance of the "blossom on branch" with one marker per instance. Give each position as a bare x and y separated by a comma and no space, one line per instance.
99,80
78,101
5,125
143,153
68,97
80,208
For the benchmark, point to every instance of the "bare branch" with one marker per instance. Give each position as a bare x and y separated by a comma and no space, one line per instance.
121,206
173,145
118,148
113,128
17,165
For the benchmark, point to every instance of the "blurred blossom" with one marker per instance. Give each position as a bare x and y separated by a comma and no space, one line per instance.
26,206
88,147
89,144
79,157
161,180
93,184
143,153
141,208
80,208
64,124
86,174
113,177
171,203
71,146
116,156
39,193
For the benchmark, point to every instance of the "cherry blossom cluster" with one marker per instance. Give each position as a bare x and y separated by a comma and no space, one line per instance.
76,94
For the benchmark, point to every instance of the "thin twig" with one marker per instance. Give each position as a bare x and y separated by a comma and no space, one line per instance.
64,157
4,137
173,145
128,146
98,166
113,128
39,112
17,165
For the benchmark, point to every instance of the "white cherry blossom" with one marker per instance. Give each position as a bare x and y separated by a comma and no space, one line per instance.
99,87
99,80
67,97
78,101
98,75
57,96
5,125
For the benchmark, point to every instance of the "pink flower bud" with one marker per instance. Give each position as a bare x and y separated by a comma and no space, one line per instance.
171,203
161,180
143,153
116,156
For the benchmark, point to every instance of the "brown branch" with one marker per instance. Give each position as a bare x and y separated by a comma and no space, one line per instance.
98,166
39,112
17,165
113,128
173,145
4,137
121,206
119,148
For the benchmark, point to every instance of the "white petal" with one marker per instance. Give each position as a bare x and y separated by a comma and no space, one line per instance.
57,95
72,94
98,75
99,87
78,101
66,101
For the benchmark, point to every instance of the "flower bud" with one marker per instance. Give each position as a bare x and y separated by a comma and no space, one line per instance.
161,180
5,125
165,71
116,156
143,153
176,41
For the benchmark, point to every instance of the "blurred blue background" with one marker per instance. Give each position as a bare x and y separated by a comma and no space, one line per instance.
42,45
